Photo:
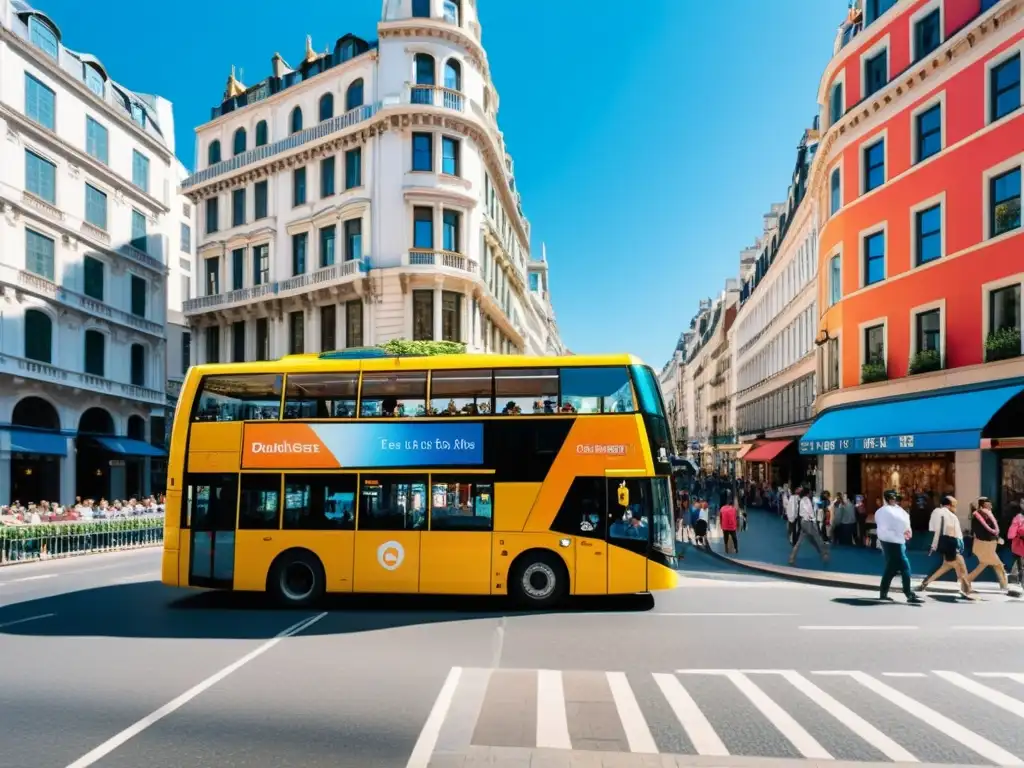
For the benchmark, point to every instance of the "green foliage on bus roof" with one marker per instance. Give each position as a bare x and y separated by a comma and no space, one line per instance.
423,348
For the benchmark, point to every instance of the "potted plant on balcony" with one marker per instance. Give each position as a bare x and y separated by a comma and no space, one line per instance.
1003,344
873,371
925,361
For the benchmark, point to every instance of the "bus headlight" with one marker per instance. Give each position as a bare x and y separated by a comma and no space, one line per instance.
564,542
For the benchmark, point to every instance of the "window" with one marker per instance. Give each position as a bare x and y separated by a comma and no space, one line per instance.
526,390
261,264
42,36
354,323
354,95
326,107
876,73
298,186
929,132
393,503
245,397
295,122
353,239
39,254
424,64
583,512
461,393
927,35
327,237
451,316
836,108
262,339
1005,87
212,503
423,228
212,276
138,365
260,200
238,207
38,336
450,223
211,215
986,4
299,242
423,315
874,258
186,351
461,503
451,11
1004,204
40,177
835,280
320,502
97,140
95,353
421,9
630,508
186,238
138,296
1004,324
140,170
835,187
40,102
213,153
928,226
328,325
261,133
452,75
213,346
423,152
450,156
321,395
260,507
296,333
238,341
394,394
237,269
327,176
596,390
874,345
139,237
534,282
354,168
928,331
92,278
875,8
874,165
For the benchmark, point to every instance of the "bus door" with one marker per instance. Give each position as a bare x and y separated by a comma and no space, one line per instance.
391,516
588,496
212,508
629,533
455,553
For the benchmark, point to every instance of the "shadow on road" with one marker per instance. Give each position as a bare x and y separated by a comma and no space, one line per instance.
152,610
866,601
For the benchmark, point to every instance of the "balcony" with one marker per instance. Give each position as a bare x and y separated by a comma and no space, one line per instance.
142,258
42,206
35,370
437,96
418,257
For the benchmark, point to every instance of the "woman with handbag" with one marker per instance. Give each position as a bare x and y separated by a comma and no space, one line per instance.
985,528
948,541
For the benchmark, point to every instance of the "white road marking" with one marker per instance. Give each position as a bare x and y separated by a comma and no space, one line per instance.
1017,677
700,732
856,628
139,726
37,577
552,723
940,722
850,719
424,748
991,695
727,615
30,618
148,576
805,744
727,671
638,735
904,674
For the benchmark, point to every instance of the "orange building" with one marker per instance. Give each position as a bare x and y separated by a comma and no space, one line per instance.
921,258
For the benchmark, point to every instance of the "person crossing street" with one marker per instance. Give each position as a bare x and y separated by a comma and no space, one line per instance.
893,530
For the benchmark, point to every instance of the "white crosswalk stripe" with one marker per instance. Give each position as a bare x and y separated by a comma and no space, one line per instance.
810,715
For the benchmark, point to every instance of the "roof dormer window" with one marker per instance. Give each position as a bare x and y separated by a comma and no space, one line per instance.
43,36
94,79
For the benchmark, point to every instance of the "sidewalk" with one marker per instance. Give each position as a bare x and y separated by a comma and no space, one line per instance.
764,547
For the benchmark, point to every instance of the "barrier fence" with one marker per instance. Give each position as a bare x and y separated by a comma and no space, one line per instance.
24,543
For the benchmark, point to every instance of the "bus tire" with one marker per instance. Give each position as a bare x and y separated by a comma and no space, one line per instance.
296,579
538,579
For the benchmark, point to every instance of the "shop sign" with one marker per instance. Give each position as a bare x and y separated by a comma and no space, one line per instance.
909,443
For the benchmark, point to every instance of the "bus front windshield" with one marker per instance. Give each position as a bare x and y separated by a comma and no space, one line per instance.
663,526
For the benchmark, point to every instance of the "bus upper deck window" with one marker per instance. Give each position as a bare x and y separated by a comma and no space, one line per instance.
239,397
597,390
461,393
394,394
321,396
519,391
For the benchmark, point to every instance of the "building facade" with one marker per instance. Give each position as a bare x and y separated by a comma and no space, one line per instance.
918,180
86,190
365,195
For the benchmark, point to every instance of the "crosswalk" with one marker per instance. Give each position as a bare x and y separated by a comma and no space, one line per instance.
938,716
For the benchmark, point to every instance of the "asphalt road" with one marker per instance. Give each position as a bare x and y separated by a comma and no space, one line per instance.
102,665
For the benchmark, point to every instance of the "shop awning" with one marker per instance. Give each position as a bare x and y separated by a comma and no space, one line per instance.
744,450
943,422
128,447
767,451
43,443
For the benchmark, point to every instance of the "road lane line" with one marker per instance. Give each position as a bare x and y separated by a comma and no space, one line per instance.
850,719
700,732
638,735
904,674
805,744
726,615
30,618
1017,677
940,722
857,628
991,695
552,722
37,577
424,748
139,726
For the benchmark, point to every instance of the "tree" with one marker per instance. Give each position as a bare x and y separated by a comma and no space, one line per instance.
423,348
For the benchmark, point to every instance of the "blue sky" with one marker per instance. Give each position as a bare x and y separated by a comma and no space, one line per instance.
649,137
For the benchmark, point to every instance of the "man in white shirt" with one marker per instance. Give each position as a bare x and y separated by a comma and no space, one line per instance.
892,526
793,515
808,528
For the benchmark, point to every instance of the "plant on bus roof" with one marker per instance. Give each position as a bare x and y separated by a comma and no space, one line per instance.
423,348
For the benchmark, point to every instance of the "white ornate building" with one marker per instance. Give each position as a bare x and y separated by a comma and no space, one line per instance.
362,195
87,202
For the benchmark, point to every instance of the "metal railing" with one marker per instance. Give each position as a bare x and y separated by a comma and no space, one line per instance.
27,543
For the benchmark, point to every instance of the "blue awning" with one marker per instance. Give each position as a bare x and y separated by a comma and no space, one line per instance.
128,447
942,422
43,443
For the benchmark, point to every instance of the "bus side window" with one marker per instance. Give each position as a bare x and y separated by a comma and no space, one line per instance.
209,502
461,393
461,503
321,396
596,390
583,511
630,515
394,394
393,503
239,397
320,502
260,508
522,391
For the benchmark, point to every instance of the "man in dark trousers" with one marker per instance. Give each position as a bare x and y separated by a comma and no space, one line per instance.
893,530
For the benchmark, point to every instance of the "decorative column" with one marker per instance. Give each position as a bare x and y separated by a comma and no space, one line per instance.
465,323
311,314
437,313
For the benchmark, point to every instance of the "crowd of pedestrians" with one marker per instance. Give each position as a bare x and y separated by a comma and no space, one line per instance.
37,513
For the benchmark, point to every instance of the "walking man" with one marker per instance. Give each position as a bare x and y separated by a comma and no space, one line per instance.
893,530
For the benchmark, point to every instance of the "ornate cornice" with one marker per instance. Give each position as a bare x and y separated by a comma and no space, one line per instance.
437,29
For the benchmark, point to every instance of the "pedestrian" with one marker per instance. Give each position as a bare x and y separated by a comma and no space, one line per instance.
809,529
985,528
1016,537
730,522
893,531
844,520
948,541
793,516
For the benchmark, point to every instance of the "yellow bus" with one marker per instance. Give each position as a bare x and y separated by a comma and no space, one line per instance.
360,471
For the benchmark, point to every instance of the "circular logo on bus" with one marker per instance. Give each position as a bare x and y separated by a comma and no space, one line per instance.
390,555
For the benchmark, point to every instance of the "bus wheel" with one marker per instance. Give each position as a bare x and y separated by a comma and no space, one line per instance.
538,580
296,579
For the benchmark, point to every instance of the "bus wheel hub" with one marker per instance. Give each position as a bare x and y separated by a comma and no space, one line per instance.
297,581
539,580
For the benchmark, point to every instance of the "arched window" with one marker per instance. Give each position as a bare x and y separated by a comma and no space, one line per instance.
423,93
96,421
261,133
354,95
452,75
42,36
296,120
239,144
94,79
138,372
38,336
35,412
95,353
213,153
421,9
326,107
136,428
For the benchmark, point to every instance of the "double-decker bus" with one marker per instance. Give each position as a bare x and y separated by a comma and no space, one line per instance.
359,471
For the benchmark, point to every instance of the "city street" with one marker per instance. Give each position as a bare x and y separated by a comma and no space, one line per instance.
104,666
